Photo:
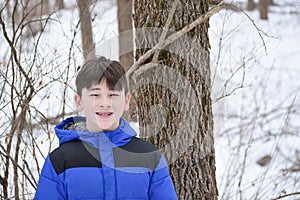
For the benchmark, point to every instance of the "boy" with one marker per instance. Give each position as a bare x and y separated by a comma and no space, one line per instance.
99,156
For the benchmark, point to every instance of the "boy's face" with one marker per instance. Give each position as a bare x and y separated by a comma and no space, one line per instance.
103,107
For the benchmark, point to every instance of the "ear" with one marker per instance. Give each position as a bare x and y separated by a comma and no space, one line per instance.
77,100
127,101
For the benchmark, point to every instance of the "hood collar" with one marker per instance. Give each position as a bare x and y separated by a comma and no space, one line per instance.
74,128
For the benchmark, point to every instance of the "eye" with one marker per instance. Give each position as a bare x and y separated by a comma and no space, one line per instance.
94,95
114,95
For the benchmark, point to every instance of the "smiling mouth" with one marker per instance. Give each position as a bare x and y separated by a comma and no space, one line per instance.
104,114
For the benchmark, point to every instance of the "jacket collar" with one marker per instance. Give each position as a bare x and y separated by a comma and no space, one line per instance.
74,128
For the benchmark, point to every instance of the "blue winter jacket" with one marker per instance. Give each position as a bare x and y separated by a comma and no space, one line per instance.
106,165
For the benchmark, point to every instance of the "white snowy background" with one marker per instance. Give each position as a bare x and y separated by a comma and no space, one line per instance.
260,117
256,100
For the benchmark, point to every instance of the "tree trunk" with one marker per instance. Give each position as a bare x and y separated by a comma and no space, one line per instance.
173,94
126,56
251,5
86,29
125,33
59,4
214,2
263,8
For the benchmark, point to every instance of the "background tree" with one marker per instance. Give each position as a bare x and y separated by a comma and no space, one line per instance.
172,89
31,71
19,82
60,4
251,5
88,46
263,7
126,56
125,33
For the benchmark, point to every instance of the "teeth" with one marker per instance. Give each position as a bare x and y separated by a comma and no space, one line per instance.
103,114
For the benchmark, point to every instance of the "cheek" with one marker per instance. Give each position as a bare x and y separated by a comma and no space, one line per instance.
89,105
119,106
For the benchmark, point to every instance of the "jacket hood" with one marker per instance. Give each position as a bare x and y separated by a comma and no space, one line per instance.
74,128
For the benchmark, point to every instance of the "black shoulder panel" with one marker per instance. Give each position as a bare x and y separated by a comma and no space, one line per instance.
137,153
75,154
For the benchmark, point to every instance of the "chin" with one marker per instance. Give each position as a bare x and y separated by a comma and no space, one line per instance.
107,126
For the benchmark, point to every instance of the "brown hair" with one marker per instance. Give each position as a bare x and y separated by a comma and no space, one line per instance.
94,70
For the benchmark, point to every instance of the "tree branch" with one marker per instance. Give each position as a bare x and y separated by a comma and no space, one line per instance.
14,52
16,164
175,36
286,195
165,30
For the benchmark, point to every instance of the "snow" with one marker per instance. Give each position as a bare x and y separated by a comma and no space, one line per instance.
257,61
260,118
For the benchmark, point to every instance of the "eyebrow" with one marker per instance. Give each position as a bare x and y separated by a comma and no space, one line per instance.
99,89
94,89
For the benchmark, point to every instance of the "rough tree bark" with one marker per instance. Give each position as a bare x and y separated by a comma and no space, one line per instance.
125,33
173,91
86,29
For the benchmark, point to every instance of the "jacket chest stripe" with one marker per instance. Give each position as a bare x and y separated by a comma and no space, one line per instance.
108,170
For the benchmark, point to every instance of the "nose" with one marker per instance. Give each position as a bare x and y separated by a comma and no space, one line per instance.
104,102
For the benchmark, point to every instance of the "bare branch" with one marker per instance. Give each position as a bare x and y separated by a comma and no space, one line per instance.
14,52
165,30
4,153
286,195
175,36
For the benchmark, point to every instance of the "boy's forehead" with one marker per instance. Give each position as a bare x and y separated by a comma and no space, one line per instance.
98,86
101,86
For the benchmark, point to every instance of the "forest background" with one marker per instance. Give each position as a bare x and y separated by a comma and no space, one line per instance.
254,61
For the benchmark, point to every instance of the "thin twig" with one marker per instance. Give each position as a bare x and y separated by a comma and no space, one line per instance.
15,55
16,164
286,195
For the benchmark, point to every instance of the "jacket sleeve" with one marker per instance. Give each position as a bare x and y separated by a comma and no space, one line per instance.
161,185
50,185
